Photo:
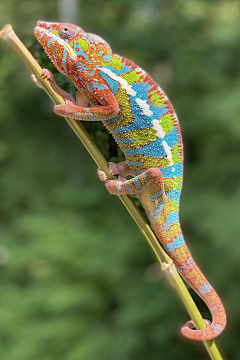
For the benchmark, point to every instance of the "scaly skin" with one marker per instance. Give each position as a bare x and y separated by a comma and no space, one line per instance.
142,121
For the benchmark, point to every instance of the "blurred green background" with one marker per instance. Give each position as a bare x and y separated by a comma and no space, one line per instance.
77,279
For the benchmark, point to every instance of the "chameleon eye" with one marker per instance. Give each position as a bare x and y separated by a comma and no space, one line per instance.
66,32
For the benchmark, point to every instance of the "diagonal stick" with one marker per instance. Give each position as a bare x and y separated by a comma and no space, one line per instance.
172,275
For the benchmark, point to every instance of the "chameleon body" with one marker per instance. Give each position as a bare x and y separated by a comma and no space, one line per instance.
141,119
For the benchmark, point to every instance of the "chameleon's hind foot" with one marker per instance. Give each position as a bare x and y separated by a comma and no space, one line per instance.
120,170
114,168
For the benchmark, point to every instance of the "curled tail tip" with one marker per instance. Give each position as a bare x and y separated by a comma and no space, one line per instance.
212,330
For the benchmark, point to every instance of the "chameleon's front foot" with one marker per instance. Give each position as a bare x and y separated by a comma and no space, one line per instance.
46,75
68,109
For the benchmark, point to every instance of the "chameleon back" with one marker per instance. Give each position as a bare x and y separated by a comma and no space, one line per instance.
147,129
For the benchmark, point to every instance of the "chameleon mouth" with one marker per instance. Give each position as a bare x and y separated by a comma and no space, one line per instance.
41,32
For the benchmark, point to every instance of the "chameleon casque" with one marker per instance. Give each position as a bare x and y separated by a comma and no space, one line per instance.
141,119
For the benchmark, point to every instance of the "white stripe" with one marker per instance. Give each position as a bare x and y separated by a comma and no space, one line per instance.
168,152
144,106
121,81
158,128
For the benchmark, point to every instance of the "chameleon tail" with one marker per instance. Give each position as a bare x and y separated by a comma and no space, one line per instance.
188,269
162,210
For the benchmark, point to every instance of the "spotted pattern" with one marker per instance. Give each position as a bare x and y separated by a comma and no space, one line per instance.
142,120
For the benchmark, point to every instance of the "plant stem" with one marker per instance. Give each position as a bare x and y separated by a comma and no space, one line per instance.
171,274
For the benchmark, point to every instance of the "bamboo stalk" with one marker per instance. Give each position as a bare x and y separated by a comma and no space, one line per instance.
173,277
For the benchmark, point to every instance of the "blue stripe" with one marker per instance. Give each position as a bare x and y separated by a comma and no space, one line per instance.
107,58
112,83
171,171
139,120
109,121
79,51
217,328
172,219
204,289
174,195
153,149
64,59
172,137
125,141
156,195
124,70
175,244
129,188
168,172
187,266
158,209
145,178
142,90
99,86
88,113
137,183
131,127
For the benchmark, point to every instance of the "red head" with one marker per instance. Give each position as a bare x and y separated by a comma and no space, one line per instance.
70,48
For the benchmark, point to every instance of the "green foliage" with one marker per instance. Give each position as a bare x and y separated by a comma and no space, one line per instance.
78,281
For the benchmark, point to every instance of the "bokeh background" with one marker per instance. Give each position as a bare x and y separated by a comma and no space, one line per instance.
77,279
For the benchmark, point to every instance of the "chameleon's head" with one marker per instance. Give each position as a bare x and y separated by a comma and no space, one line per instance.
70,48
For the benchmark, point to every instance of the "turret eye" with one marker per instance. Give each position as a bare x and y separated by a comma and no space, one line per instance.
66,32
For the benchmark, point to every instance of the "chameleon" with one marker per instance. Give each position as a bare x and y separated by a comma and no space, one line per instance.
141,119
